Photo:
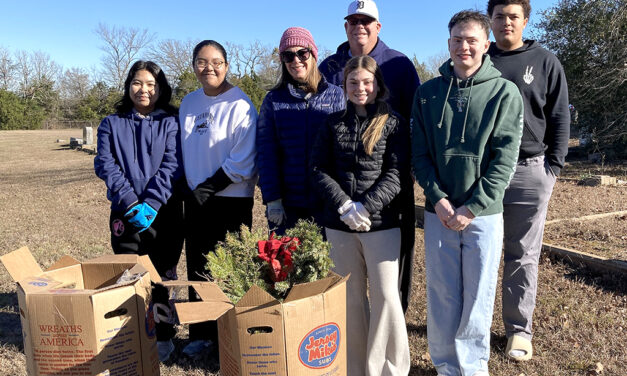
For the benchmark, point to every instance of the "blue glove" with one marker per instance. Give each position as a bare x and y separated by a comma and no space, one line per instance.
141,216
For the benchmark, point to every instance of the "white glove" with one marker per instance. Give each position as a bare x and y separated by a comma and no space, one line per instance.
356,217
345,207
363,228
276,213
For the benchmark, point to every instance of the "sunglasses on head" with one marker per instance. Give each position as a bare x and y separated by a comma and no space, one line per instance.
288,56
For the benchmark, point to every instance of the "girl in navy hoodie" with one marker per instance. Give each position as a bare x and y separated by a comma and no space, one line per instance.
138,159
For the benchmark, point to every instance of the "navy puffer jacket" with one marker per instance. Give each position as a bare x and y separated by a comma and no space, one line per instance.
286,129
342,170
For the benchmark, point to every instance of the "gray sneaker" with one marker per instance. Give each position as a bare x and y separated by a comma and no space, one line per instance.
165,349
196,349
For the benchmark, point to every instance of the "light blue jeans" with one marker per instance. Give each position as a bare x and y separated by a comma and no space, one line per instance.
462,270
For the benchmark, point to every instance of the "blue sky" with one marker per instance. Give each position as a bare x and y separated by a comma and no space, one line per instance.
65,29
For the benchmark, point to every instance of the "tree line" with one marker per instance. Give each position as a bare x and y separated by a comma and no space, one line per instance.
588,36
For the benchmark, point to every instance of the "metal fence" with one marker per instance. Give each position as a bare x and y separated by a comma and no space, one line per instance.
62,124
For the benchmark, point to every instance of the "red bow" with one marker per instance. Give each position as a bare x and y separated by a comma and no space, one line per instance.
278,254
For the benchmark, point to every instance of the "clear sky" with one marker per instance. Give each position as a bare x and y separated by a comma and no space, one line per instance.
65,29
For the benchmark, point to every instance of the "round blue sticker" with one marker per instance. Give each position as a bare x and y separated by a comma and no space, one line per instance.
319,348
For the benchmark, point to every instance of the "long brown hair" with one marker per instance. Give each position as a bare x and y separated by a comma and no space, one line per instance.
373,132
311,81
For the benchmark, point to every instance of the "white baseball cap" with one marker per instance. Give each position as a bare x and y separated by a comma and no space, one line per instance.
364,7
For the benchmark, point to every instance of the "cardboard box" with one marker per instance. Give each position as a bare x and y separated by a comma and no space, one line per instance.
77,321
305,335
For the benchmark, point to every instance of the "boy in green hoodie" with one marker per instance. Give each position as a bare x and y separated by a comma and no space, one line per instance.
466,129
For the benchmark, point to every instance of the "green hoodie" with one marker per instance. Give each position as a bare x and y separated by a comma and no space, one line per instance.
465,140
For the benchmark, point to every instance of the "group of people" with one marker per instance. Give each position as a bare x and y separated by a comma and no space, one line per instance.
336,142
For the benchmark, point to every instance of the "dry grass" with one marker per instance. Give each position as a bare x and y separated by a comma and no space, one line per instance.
51,201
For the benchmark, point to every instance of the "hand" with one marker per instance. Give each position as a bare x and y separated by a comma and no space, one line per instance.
218,182
365,226
461,219
345,207
354,217
276,212
445,211
141,216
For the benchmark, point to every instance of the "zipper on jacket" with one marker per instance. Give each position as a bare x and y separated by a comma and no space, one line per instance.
532,133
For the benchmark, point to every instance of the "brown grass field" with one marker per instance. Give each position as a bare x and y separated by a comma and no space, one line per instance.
52,202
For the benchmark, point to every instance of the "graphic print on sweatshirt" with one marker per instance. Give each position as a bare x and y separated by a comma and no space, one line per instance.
459,101
201,123
528,77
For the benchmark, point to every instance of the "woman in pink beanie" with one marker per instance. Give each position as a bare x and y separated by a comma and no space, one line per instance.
288,123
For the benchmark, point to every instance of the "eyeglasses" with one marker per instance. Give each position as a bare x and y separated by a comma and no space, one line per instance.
353,21
202,64
288,56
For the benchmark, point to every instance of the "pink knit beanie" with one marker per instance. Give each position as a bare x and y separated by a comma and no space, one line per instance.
298,36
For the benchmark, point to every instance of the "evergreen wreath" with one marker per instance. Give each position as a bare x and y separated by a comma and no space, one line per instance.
275,264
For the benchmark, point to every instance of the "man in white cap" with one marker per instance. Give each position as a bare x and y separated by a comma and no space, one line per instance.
362,31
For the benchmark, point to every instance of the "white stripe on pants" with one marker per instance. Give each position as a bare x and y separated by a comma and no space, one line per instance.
376,332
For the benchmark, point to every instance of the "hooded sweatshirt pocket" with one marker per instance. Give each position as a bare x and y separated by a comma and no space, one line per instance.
459,176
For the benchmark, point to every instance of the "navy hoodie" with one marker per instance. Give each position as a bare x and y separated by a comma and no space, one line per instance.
138,158
542,83
398,71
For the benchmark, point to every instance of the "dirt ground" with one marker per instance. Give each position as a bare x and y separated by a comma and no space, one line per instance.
51,201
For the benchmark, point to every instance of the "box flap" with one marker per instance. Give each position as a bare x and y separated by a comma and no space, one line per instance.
305,290
210,292
255,296
63,262
338,279
195,312
21,264
128,259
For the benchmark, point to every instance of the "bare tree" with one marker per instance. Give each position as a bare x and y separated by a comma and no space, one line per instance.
244,60
24,71
74,84
43,67
122,46
8,70
174,57
434,62
269,68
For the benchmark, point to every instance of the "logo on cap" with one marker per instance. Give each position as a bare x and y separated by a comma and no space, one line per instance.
360,5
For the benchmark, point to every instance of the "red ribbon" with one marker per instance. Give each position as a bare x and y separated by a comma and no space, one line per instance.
278,254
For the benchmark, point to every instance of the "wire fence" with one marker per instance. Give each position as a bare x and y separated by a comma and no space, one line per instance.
63,124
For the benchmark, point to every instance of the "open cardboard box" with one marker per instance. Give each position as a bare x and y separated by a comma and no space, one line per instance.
77,321
303,335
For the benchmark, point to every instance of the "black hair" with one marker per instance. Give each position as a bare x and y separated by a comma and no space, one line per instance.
212,43
523,3
466,16
125,104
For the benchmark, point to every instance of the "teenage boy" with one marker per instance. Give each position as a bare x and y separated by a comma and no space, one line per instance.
362,28
542,83
466,129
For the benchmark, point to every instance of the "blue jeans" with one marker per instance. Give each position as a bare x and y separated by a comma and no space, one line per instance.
462,270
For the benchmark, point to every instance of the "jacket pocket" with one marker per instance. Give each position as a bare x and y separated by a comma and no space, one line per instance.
459,175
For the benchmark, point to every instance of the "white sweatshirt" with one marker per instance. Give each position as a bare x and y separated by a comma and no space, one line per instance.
219,132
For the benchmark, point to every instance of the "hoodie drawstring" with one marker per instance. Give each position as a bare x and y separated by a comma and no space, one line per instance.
134,140
445,102
472,82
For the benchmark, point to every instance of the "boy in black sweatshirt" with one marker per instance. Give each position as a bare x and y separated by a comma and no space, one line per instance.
542,83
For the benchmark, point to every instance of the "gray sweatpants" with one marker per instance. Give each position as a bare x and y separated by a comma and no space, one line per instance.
525,206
